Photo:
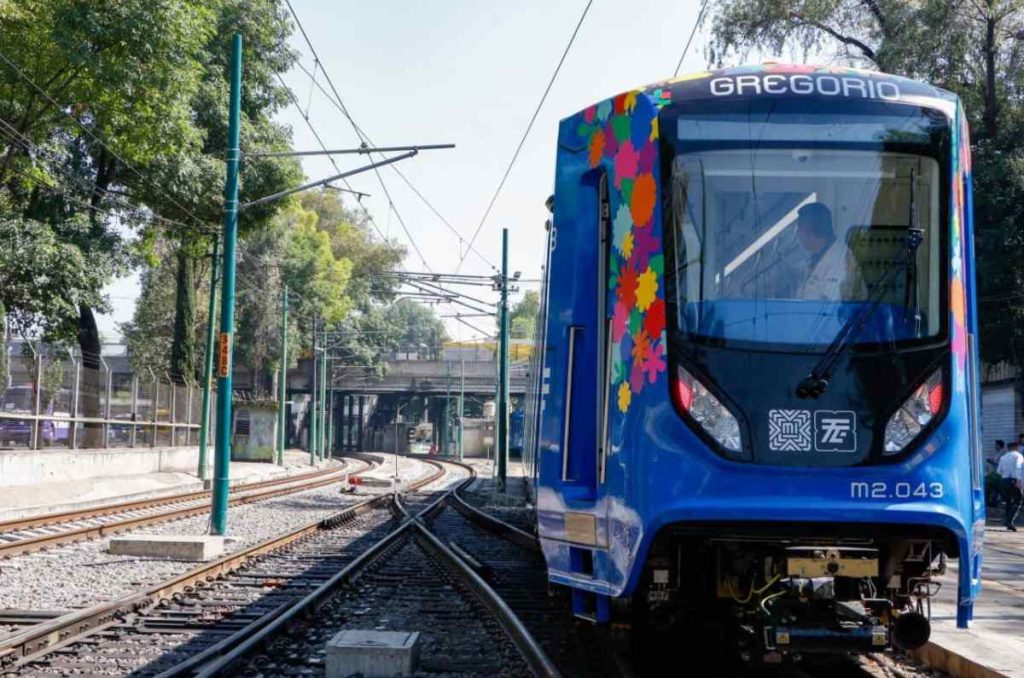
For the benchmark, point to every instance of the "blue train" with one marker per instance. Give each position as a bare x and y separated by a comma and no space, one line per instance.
758,400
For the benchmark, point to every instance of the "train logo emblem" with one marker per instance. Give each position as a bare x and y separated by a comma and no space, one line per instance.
835,431
789,430
800,431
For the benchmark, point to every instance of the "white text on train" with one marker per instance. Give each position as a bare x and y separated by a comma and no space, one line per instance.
822,85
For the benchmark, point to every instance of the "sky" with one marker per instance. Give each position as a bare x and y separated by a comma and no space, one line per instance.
468,72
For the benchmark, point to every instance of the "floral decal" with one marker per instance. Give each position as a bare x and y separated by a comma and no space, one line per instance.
621,135
958,295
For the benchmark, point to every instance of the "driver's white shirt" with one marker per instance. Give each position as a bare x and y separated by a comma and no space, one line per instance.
835,276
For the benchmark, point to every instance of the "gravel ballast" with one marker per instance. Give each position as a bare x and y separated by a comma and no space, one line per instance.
84,574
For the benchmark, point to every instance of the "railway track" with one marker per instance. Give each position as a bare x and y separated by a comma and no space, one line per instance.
190,604
223,617
472,585
409,581
26,535
510,561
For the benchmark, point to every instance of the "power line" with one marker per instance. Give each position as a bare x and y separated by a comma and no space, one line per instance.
700,15
319,140
526,133
95,137
362,137
366,140
38,153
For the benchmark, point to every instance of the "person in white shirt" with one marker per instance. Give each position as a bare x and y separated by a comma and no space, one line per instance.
832,273
1011,471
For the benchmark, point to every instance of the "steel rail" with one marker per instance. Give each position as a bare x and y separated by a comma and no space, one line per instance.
41,639
220,657
530,650
89,532
230,651
42,520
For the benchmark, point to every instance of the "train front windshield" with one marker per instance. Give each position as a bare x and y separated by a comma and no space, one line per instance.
785,222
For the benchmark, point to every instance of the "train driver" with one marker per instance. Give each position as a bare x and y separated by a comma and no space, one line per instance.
832,273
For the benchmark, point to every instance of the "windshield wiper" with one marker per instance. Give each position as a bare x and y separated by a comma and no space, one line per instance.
816,381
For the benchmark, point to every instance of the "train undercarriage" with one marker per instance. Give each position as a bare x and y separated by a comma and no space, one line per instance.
773,595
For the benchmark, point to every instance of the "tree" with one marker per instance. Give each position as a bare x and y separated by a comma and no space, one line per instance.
89,92
980,56
196,171
352,238
522,318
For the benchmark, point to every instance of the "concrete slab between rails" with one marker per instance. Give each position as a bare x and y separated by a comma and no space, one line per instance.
994,643
72,495
199,548
372,654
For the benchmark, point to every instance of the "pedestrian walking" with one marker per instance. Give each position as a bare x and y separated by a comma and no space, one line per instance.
1011,474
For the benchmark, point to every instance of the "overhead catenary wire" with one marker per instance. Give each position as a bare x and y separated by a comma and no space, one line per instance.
363,138
693,32
526,132
95,137
463,243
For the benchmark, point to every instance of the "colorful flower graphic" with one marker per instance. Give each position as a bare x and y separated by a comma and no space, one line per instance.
627,245
628,282
647,289
621,226
655,362
641,348
596,147
620,321
626,161
624,397
654,320
621,136
641,203
645,245
636,377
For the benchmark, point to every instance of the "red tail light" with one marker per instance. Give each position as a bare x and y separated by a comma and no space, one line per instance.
935,399
684,393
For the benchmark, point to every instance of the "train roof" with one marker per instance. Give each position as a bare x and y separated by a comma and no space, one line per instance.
776,79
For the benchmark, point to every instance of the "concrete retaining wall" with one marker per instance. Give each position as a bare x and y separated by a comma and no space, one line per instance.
31,467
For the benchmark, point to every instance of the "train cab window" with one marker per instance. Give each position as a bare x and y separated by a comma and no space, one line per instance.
780,240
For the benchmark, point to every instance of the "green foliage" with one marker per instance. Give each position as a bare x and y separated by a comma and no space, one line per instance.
311,269
149,334
43,278
978,54
352,239
122,71
522,319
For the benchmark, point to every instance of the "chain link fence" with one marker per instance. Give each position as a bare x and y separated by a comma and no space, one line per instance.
60,399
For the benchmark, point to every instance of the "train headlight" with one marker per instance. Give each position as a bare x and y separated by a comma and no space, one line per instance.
693,398
913,415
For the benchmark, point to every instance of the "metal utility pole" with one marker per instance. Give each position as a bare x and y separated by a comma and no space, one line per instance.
222,452
323,403
313,404
211,337
462,403
447,407
502,413
282,387
330,418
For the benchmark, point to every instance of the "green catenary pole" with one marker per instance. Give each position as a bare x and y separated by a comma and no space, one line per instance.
447,408
211,339
222,452
502,413
462,402
322,426
330,420
282,388
313,395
